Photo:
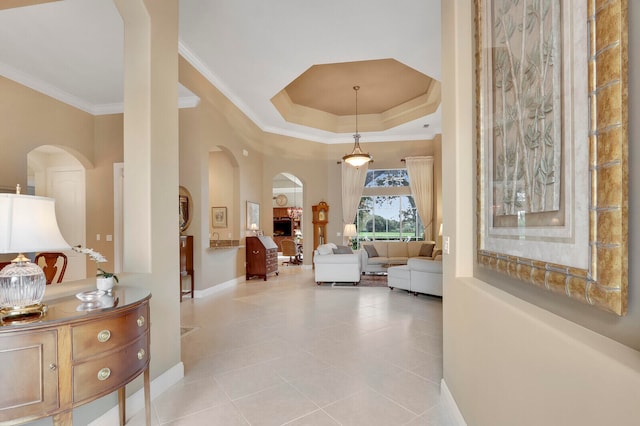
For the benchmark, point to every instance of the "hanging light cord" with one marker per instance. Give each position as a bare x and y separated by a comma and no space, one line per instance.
357,136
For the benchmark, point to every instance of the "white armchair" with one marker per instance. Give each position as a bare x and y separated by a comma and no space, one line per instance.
330,267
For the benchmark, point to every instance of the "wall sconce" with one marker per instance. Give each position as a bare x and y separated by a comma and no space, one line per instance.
27,224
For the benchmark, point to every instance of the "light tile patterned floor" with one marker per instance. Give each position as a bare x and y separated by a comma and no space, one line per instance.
287,352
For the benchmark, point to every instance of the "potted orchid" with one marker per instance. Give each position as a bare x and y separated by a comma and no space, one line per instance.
105,280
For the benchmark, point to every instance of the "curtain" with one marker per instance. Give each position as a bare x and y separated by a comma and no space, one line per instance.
352,185
420,172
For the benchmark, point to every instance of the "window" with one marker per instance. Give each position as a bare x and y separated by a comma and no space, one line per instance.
387,210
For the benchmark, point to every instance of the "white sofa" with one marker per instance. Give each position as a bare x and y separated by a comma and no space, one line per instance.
330,267
390,253
419,275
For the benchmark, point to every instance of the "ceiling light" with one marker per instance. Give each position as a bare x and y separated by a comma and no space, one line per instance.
358,157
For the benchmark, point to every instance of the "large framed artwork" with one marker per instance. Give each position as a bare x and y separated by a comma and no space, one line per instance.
253,215
552,168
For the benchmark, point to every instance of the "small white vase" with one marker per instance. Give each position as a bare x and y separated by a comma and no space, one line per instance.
105,284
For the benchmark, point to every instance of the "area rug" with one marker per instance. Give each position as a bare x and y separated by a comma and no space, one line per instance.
365,281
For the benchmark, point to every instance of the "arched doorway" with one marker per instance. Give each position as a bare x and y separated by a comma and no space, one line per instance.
55,173
288,193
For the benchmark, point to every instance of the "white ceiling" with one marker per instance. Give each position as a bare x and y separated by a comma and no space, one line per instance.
249,49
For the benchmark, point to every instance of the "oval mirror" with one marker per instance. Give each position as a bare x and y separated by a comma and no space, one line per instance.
185,208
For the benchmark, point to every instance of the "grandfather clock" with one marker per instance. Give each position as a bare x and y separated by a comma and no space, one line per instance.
320,220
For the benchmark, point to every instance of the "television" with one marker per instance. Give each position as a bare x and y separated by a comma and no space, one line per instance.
282,227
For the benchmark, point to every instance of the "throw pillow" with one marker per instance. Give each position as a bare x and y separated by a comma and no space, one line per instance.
371,250
426,250
342,250
324,249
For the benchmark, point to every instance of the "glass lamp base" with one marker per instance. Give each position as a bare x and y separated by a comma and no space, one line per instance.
22,286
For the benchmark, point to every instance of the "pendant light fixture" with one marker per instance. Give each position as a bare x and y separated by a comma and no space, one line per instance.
357,158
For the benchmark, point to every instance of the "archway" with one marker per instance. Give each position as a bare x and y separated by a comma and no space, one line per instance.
288,195
59,174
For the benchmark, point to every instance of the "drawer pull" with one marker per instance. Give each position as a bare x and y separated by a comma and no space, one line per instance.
140,321
141,354
104,336
104,374
52,367
256,252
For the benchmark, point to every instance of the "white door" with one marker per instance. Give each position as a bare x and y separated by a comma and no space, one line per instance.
67,187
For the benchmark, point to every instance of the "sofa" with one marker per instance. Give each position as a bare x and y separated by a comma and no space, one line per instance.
334,263
419,275
377,256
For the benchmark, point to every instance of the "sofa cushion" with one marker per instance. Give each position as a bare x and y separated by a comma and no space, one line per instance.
381,248
378,260
414,248
343,259
398,249
324,249
425,265
426,250
371,250
342,250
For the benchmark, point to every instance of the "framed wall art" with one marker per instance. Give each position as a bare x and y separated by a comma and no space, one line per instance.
218,217
253,215
551,90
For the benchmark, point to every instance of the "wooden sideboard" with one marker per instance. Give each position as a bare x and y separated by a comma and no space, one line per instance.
74,355
261,257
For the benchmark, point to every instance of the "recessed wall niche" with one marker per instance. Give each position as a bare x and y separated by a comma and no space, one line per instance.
224,178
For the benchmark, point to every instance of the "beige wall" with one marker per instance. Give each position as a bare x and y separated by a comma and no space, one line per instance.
28,120
512,355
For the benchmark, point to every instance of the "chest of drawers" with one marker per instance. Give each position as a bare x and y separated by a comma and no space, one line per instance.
70,357
261,256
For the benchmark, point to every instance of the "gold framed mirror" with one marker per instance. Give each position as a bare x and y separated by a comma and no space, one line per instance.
185,208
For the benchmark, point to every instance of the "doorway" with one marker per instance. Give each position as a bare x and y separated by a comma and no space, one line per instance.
288,195
54,173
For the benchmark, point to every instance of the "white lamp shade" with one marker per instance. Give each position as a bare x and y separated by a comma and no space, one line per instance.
28,224
350,230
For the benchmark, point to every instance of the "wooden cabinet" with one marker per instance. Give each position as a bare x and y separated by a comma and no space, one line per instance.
70,357
186,263
261,257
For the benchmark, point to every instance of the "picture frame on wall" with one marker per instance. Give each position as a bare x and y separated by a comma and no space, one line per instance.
218,217
253,215
552,146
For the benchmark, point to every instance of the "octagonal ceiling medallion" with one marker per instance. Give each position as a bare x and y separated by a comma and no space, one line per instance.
391,94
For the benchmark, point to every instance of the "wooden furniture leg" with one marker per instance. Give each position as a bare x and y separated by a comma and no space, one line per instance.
147,397
122,401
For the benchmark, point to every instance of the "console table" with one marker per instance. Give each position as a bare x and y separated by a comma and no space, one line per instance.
73,355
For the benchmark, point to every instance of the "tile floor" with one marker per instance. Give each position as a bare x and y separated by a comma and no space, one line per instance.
288,352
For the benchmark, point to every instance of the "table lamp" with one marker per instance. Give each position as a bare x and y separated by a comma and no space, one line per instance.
27,224
350,231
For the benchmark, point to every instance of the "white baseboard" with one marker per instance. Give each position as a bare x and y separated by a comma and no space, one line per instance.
135,402
450,406
217,288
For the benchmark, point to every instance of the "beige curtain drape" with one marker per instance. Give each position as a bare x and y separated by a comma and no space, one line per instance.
420,171
352,185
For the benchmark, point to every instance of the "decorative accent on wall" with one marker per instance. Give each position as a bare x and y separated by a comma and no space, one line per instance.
218,217
185,208
253,215
552,165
